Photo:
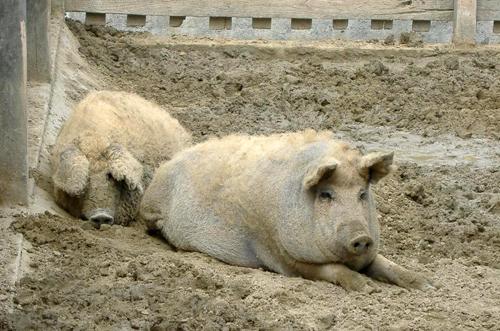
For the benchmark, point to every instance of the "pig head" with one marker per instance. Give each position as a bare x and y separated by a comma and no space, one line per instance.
104,192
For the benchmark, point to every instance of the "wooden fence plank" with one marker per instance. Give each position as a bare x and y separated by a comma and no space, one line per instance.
37,30
464,23
13,119
57,7
488,10
441,10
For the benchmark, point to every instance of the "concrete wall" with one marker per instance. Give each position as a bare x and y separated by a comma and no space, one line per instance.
281,29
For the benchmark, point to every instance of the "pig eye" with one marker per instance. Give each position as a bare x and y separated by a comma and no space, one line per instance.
363,194
326,195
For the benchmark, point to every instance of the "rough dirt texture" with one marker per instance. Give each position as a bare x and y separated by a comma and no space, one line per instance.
440,215
222,91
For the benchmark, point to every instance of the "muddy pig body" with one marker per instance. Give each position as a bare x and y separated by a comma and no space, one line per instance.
106,154
298,204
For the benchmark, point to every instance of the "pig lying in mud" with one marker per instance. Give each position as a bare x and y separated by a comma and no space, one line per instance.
298,204
106,154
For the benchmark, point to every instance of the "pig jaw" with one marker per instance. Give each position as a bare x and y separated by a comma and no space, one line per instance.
357,247
358,262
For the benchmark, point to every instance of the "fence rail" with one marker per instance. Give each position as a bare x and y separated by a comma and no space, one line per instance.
341,9
465,14
436,10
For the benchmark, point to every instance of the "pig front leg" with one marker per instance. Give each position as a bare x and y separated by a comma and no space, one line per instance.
338,274
387,271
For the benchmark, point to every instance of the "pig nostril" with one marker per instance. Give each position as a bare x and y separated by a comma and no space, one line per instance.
102,218
360,245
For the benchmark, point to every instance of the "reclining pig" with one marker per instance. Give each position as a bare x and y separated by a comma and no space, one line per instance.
298,204
106,154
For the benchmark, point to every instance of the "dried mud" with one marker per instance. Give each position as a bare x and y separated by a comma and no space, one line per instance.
439,212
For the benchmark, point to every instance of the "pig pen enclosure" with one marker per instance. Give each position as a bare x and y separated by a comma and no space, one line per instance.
437,106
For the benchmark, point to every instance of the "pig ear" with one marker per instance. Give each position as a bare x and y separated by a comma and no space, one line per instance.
72,173
319,171
376,165
123,166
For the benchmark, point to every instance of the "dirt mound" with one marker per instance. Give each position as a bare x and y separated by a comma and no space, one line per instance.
221,90
121,278
442,213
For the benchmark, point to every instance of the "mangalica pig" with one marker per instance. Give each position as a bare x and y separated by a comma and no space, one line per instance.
298,204
106,154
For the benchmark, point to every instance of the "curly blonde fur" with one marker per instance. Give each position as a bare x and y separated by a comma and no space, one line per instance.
115,133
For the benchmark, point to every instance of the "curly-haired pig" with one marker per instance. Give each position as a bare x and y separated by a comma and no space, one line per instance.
298,204
106,154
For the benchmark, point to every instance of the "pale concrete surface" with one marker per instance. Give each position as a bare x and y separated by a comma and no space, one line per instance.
321,29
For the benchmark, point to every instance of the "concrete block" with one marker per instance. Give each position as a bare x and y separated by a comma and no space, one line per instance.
440,32
485,33
281,28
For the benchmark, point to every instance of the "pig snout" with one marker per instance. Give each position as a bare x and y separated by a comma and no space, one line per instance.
361,244
101,216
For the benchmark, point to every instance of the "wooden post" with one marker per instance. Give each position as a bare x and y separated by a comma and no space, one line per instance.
57,7
37,27
464,22
13,120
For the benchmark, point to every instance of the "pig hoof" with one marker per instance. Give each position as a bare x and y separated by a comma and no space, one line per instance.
359,283
418,282
424,284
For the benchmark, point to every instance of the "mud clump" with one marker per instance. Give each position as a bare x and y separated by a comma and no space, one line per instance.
411,39
376,67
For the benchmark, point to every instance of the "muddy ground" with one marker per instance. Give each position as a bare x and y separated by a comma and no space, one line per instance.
439,212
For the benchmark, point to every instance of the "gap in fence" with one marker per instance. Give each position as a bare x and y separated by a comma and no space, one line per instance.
496,27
